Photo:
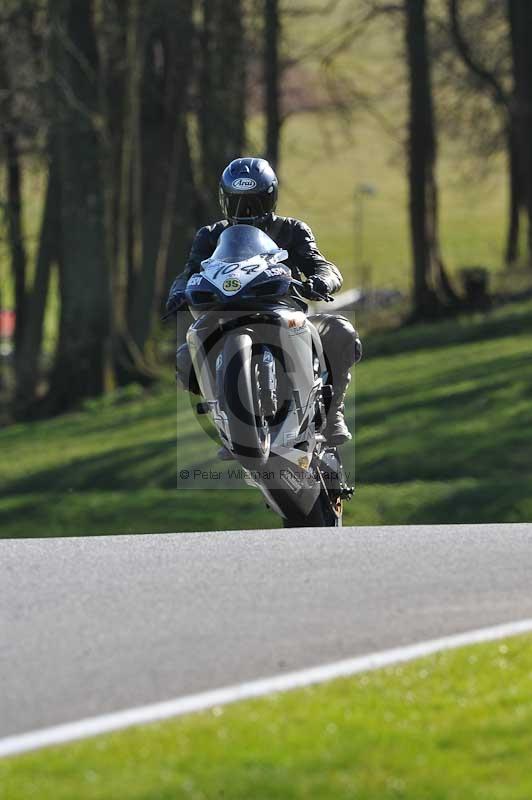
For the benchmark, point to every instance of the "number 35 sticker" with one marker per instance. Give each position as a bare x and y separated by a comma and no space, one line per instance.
231,285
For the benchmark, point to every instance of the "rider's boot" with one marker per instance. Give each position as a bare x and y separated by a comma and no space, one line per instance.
336,431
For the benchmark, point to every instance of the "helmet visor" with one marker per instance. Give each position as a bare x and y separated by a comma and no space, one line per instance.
247,207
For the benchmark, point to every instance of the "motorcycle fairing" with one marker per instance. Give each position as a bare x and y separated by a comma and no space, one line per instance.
231,279
296,427
246,287
244,255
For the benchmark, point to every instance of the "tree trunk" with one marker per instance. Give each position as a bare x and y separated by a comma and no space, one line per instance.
515,204
271,80
165,149
128,358
186,221
433,293
222,100
82,353
129,224
27,367
520,17
15,234
503,101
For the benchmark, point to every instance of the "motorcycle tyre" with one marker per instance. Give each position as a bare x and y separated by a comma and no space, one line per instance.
239,397
321,516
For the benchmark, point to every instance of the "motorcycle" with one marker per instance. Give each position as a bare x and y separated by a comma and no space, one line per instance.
261,369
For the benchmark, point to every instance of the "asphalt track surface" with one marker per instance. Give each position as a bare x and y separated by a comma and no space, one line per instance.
94,625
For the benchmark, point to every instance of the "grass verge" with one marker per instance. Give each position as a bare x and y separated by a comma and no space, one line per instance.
452,726
443,423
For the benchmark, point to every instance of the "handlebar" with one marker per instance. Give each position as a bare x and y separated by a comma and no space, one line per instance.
304,291
309,294
175,310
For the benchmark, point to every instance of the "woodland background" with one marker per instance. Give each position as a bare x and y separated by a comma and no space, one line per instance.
402,133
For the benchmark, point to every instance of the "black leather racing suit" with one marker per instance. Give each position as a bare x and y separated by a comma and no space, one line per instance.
340,340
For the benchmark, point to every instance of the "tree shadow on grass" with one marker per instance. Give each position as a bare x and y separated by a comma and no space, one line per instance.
90,513
108,419
489,501
456,332
484,431
425,453
487,375
152,464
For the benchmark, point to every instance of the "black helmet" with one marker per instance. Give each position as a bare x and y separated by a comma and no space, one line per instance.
248,191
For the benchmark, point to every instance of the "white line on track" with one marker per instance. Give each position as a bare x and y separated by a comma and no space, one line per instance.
156,712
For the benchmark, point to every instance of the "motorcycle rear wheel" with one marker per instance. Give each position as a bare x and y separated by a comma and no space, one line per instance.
321,515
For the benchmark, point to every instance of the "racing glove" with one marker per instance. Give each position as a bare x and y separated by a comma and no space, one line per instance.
176,296
316,288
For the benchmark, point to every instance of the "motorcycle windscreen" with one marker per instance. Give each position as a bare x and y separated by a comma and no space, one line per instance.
240,242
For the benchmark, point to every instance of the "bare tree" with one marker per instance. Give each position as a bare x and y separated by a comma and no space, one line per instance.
164,159
13,207
222,93
82,360
433,293
48,253
520,18
272,35
491,81
24,128
123,188
144,77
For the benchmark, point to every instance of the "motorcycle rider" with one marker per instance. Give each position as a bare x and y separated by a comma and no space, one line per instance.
248,195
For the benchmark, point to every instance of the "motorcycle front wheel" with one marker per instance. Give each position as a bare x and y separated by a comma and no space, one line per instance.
248,428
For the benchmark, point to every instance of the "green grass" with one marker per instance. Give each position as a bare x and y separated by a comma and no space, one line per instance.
443,435
322,167
453,726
